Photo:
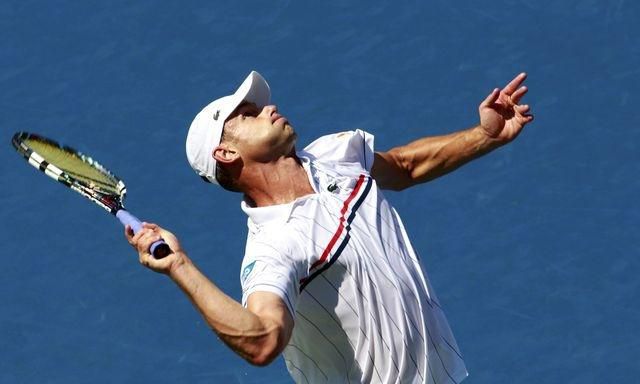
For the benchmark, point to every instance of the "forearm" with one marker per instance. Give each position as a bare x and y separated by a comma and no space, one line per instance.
431,157
252,337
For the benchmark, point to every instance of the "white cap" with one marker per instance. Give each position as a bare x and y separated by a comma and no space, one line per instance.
206,129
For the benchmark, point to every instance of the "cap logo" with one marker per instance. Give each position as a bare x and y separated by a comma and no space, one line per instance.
216,115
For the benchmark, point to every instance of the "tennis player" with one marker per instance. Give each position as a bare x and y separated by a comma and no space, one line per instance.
330,279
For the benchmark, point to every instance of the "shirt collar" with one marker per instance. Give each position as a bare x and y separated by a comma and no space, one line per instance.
262,215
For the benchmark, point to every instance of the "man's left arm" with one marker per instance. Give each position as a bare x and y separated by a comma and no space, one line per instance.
258,333
502,118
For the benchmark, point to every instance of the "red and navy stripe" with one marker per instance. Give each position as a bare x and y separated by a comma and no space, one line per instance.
344,225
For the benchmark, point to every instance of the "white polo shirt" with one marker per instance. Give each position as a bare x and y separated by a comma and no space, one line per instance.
341,260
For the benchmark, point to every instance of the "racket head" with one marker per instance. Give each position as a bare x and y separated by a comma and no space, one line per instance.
72,168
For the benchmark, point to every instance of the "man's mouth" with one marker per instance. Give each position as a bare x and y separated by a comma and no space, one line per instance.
276,116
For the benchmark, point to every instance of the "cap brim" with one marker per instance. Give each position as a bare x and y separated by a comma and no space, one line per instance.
254,89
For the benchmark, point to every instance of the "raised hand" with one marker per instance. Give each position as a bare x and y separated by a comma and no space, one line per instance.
502,117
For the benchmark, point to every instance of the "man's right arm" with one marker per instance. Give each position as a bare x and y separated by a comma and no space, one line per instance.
258,333
502,119
428,158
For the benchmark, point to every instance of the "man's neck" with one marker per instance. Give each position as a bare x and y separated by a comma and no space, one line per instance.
280,182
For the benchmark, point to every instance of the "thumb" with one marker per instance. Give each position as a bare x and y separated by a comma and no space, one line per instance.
491,98
128,232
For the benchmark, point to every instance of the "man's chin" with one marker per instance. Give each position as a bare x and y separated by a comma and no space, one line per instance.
288,126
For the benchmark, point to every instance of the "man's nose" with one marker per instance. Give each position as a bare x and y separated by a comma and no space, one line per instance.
269,109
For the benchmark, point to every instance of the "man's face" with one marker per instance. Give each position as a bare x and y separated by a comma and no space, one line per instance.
260,135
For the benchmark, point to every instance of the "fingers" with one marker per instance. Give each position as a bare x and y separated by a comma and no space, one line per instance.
510,88
510,95
147,235
523,112
147,238
129,233
517,95
142,240
150,226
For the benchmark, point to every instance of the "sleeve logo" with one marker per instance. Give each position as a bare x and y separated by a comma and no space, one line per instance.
246,271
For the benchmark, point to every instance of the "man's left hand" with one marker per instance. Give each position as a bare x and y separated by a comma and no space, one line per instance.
149,234
502,117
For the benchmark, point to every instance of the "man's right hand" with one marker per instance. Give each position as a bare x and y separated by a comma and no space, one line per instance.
502,117
149,234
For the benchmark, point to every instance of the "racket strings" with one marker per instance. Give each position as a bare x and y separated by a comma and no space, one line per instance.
80,167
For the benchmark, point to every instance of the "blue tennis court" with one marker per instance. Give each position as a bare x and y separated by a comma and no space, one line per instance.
533,250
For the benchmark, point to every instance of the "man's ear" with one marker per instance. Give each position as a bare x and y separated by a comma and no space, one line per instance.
225,153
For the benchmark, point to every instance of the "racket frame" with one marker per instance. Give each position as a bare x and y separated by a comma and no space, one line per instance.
112,203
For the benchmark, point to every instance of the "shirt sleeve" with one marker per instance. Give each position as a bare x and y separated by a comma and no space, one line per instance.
269,268
344,147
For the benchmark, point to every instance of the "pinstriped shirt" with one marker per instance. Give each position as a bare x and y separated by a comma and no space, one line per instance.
343,264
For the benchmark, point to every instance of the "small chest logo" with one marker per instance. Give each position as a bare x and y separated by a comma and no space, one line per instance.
247,271
216,115
332,187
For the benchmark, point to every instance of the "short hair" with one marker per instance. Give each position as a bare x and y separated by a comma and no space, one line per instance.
223,176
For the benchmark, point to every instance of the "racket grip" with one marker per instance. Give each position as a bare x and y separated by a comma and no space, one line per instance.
159,249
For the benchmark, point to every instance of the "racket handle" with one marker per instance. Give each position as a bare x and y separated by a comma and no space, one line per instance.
159,249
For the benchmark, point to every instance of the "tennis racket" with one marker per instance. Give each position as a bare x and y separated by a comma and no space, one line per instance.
84,175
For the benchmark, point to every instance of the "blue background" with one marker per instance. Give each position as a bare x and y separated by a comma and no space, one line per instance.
533,250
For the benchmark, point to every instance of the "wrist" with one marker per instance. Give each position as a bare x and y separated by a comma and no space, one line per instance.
179,267
485,139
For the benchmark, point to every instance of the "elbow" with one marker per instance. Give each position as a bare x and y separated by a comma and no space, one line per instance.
262,360
267,350
264,356
262,346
